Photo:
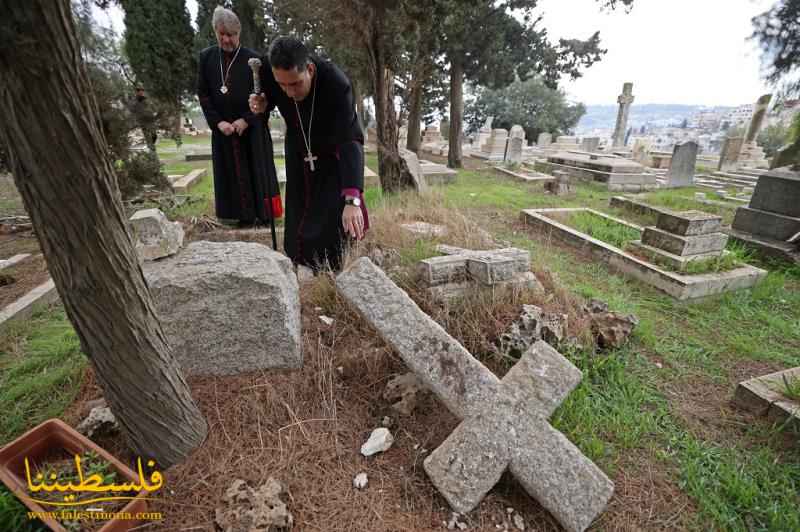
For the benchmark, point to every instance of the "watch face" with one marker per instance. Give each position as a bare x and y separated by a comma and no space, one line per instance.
354,201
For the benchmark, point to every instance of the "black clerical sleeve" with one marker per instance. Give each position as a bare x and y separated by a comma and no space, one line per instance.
350,148
204,91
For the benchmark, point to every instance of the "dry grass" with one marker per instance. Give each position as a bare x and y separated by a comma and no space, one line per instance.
305,427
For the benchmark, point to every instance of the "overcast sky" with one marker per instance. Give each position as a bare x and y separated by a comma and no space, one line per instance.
674,51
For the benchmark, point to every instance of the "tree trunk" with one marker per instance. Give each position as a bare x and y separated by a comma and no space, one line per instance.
359,99
456,113
58,158
393,178
415,108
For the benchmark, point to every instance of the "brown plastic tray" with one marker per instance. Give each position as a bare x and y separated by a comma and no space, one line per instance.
41,441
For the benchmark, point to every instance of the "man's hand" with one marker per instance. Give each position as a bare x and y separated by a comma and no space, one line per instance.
258,103
353,221
226,128
239,126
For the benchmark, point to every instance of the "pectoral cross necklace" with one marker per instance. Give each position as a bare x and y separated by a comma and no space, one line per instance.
224,88
310,158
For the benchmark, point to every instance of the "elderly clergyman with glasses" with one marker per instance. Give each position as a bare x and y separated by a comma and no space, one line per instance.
245,182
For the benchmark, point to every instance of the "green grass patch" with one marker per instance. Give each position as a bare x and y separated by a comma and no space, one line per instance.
791,387
14,514
740,490
40,373
603,229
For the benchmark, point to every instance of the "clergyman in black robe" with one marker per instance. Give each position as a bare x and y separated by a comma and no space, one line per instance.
244,169
324,149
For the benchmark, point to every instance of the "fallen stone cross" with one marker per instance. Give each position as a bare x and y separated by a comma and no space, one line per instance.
504,421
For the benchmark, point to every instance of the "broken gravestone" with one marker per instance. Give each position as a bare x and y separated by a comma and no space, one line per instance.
402,392
534,324
451,275
610,329
248,509
504,423
410,161
228,307
100,420
154,235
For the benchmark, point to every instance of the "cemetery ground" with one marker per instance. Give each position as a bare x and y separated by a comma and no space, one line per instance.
655,415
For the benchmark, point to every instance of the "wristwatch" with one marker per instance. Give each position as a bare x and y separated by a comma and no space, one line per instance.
356,202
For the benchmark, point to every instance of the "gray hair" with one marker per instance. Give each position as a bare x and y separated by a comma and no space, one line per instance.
227,19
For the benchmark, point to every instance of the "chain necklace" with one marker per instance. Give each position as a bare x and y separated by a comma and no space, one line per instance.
224,88
310,158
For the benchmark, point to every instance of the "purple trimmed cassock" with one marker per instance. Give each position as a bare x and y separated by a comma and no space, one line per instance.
244,169
315,199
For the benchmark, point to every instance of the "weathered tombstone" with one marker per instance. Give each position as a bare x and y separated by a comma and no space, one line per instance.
228,307
641,150
431,135
515,145
451,275
495,148
729,156
485,133
625,100
154,235
773,215
504,423
545,139
517,131
681,170
752,154
590,144
414,167
402,138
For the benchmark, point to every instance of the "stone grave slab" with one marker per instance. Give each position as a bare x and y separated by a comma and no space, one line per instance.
182,184
22,308
7,263
689,223
547,465
679,286
764,396
684,245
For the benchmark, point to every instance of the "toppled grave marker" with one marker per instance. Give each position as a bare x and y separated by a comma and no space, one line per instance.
450,275
505,422
155,236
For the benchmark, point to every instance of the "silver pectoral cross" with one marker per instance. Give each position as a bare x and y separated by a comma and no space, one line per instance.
310,158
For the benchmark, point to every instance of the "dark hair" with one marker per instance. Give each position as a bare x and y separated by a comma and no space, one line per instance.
287,53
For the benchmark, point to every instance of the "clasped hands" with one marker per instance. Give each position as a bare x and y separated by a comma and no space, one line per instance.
228,129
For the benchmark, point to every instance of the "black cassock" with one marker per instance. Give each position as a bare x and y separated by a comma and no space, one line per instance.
315,199
244,169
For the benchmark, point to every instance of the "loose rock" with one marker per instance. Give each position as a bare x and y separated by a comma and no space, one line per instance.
534,324
360,481
248,509
610,329
100,420
403,390
379,441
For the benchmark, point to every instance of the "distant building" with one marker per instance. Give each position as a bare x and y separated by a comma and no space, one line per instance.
740,115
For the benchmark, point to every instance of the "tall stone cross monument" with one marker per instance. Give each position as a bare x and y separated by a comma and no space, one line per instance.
625,100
